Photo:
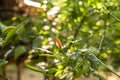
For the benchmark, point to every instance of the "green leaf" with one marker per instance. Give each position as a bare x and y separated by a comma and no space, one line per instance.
19,51
52,70
1,41
60,66
47,55
85,67
93,61
2,26
12,32
58,72
43,50
3,62
93,50
7,29
36,42
35,69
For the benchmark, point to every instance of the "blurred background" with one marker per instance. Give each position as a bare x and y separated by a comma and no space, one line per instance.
59,38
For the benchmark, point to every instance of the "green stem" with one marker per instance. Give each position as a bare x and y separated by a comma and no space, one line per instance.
117,19
100,46
106,66
34,68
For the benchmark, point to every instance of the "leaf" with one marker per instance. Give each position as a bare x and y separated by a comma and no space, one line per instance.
93,50
28,35
12,32
19,51
85,67
35,69
58,72
3,62
52,70
47,55
2,26
36,42
60,66
94,62
7,29
1,41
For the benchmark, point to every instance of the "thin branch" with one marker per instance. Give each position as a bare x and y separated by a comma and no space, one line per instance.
101,41
77,31
80,25
117,19
106,66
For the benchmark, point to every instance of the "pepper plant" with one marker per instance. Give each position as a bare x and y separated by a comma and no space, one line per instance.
68,38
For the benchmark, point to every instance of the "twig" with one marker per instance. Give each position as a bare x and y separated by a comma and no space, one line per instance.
101,41
106,66
117,19
77,31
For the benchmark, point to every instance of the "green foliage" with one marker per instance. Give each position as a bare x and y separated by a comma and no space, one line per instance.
88,30
12,32
2,26
2,62
1,42
19,50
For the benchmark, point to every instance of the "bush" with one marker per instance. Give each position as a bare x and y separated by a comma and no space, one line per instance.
67,39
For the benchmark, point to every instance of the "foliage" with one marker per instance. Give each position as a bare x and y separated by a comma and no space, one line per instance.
87,32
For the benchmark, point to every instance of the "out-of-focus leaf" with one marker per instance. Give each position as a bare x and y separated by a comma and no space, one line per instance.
47,55
19,51
1,41
3,62
60,66
52,70
93,61
58,72
36,42
85,67
28,35
2,26
93,50
8,29
34,68
12,32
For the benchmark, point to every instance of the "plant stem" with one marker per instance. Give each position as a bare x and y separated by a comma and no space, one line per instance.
77,30
80,25
34,68
100,46
117,19
106,66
